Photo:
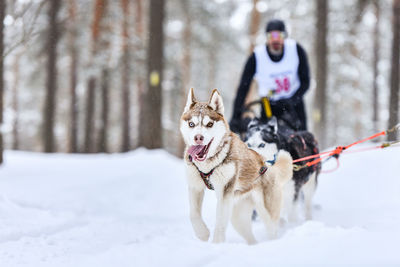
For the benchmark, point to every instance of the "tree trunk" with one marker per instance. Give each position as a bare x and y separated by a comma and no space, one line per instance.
99,11
320,100
138,94
15,105
73,54
102,145
89,122
355,53
253,30
394,76
254,25
150,135
51,84
186,66
2,14
139,24
375,96
125,145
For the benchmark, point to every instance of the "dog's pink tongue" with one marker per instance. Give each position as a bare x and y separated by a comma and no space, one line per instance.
195,150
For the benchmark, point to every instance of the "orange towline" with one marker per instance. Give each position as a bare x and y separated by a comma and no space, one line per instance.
338,150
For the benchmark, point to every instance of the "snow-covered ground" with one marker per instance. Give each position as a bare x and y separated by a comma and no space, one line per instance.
132,210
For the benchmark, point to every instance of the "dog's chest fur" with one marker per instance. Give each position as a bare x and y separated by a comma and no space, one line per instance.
235,167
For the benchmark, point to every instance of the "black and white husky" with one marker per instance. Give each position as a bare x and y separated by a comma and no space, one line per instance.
267,139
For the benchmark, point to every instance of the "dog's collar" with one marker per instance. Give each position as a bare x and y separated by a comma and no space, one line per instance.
272,162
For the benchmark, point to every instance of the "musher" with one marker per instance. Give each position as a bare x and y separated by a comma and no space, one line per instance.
281,70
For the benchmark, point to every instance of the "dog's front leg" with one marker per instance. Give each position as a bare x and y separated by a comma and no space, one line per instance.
196,200
224,209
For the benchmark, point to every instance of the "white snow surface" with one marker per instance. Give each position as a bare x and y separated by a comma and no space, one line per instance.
132,210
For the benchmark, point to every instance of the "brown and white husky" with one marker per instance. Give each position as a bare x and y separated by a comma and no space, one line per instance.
218,160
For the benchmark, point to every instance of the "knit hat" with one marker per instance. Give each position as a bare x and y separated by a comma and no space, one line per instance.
276,25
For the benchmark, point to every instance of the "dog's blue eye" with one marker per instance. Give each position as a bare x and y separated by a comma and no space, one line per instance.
191,124
261,145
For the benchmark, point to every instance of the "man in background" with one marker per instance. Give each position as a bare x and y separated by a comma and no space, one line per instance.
282,73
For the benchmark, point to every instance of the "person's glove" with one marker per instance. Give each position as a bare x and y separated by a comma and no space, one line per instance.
284,109
293,101
284,103
281,106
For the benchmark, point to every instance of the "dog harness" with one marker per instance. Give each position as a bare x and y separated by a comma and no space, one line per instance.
262,170
206,176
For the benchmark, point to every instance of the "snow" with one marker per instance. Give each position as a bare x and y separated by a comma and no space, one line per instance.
132,210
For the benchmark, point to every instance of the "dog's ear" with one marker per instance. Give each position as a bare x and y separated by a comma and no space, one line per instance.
215,102
191,99
273,125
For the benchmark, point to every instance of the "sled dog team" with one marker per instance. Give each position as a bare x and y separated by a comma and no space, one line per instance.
256,175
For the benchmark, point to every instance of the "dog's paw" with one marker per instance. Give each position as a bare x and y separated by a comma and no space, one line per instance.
204,235
219,237
251,242
272,230
201,232
217,240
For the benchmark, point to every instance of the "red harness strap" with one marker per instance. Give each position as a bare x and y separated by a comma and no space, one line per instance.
262,170
338,150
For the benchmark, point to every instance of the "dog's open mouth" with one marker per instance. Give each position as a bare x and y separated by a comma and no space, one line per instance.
199,152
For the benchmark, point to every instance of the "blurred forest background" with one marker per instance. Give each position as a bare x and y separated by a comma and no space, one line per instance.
89,76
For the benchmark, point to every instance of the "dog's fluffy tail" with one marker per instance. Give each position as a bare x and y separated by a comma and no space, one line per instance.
282,170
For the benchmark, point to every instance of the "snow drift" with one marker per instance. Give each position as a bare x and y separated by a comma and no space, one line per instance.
132,210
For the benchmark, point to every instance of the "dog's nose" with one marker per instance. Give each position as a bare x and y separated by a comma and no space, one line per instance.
198,138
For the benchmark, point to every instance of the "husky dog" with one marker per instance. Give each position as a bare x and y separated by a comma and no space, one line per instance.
273,136
217,159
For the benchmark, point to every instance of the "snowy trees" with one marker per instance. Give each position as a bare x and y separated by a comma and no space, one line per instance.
2,15
375,62
394,75
51,81
150,135
321,53
73,76
97,63
125,79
